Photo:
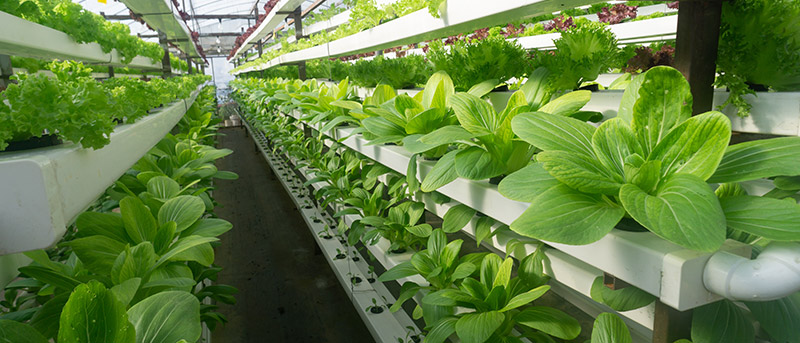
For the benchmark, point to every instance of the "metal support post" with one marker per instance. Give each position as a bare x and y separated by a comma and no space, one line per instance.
670,325
298,33
696,48
6,71
166,67
189,65
110,72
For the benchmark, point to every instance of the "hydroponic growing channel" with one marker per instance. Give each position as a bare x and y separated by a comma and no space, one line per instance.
456,170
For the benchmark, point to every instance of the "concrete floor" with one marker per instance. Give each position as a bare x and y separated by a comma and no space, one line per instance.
286,292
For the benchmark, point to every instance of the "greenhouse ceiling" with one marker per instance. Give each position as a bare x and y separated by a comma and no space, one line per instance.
213,44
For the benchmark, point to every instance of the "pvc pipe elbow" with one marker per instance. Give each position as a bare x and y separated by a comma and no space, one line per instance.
774,274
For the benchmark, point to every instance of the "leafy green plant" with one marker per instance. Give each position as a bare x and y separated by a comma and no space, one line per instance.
111,277
651,163
84,26
487,145
471,62
402,119
73,92
328,69
81,109
758,45
401,227
439,264
495,303
399,73
582,53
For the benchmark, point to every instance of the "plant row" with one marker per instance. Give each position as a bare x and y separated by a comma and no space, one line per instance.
75,107
756,52
33,65
470,295
653,168
84,26
135,266
366,14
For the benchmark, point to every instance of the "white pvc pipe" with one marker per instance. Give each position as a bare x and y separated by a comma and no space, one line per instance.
774,274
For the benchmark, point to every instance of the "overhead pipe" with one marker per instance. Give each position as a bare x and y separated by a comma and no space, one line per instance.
774,274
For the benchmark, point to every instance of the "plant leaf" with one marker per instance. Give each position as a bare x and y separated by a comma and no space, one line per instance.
456,218
580,172
399,271
564,215
182,245
779,318
527,183
98,253
721,321
770,218
203,254
421,230
608,328
139,222
93,314
695,146
614,141
441,330
106,224
46,319
15,332
49,276
483,229
163,187
184,210
447,135
684,210
407,291
525,298
567,104
759,159
478,327
166,317
664,102
549,320
437,90
553,132
426,121
208,227
442,173
126,290
483,88
475,115
625,299
474,163
629,98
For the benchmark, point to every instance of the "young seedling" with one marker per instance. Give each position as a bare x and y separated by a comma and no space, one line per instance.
371,276
356,258
354,279
316,219
411,336
374,308
339,255
325,234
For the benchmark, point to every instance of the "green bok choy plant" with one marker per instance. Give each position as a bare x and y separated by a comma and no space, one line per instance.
652,163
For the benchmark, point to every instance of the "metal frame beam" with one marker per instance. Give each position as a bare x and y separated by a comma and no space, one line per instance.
196,16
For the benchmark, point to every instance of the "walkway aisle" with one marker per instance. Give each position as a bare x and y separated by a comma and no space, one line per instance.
287,294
